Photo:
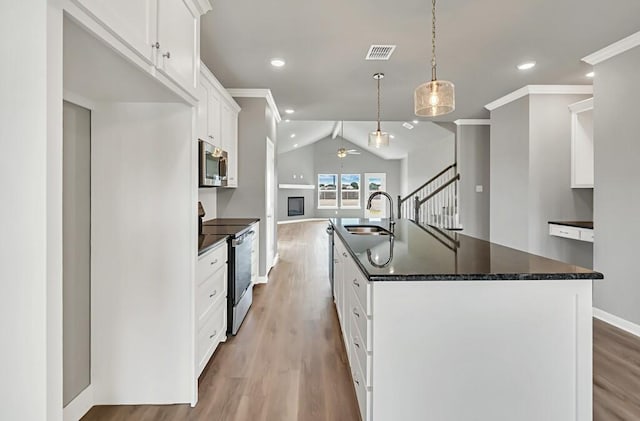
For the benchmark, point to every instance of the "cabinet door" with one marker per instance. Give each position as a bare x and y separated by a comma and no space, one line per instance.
203,110
177,35
214,122
133,22
229,120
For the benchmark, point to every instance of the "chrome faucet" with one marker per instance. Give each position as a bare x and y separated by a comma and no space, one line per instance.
392,222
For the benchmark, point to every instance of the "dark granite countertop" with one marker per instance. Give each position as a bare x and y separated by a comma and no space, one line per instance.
231,221
216,230
578,224
207,241
418,253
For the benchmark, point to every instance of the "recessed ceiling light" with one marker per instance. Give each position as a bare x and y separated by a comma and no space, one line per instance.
287,120
289,111
392,136
590,74
415,121
295,146
277,62
526,66
293,135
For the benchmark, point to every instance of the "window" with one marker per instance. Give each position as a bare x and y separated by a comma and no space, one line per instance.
327,191
350,191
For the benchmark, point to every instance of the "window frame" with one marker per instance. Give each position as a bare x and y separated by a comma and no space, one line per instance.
337,191
359,206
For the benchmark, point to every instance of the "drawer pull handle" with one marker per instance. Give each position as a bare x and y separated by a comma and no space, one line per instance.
355,311
214,262
213,335
356,381
213,294
355,282
344,254
167,54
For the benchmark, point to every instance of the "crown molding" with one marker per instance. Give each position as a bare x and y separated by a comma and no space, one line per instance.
540,90
613,50
472,122
203,6
258,93
581,106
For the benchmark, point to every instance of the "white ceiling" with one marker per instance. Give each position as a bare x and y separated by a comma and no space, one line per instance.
479,45
357,132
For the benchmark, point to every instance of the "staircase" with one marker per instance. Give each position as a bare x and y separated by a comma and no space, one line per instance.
435,203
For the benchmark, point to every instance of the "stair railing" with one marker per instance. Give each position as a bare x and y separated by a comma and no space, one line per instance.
435,202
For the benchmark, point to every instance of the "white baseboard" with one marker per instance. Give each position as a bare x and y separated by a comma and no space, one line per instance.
261,280
616,321
78,407
293,221
275,261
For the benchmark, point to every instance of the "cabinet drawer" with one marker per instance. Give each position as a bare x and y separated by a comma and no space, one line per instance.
361,356
362,393
213,289
360,286
564,231
362,322
210,262
211,332
586,235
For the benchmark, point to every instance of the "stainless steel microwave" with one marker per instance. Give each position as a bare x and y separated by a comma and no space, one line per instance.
213,165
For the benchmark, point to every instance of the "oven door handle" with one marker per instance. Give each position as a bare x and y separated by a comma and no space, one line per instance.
237,241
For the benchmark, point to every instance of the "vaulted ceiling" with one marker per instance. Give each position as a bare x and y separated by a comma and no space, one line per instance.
479,45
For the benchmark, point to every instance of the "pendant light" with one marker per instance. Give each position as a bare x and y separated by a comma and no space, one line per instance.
378,138
438,96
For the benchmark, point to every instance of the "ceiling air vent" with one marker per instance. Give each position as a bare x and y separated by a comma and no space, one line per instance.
380,52
407,125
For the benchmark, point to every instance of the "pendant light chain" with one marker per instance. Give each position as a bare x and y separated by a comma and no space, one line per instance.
433,41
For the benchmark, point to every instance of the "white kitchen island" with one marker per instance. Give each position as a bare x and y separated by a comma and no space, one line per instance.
451,328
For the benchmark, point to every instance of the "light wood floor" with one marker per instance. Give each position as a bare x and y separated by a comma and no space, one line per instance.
288,361
616,374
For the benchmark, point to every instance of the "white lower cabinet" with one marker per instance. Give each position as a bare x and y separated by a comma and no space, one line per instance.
211,303
353,302
574,233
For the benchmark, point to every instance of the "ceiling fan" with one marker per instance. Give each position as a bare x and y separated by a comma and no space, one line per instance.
342,151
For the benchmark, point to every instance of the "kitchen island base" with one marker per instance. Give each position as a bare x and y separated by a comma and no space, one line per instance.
490,350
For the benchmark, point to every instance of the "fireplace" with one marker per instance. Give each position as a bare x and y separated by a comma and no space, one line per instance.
295,206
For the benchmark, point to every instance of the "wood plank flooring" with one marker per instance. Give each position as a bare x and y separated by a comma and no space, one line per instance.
288,361
616,374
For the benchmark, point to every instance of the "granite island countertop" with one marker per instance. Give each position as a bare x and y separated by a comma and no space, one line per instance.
417,253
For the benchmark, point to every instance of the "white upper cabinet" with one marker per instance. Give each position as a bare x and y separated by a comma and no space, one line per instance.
218,120
229,121
177,42
164,33
133,22
582,144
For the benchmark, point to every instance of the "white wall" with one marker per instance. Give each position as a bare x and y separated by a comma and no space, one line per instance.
23,214
531,178
142,253
76,250
616,195
209,199
426,161
474,169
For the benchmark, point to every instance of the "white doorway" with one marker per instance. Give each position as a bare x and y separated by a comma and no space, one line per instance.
270,204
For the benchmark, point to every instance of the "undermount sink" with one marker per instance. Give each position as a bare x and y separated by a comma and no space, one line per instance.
367,230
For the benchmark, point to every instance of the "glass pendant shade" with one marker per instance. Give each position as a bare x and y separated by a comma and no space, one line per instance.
378,138
434,98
